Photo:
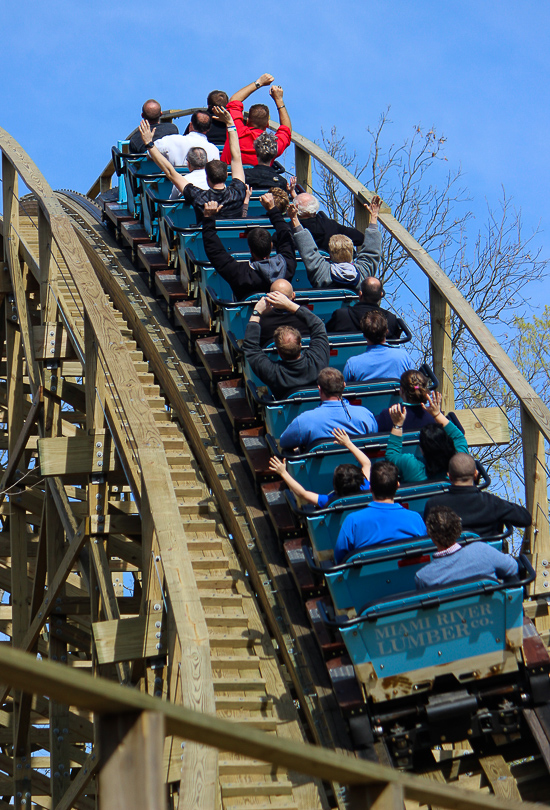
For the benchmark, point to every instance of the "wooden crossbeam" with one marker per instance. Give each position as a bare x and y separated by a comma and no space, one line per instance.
484,426
77,455
106,697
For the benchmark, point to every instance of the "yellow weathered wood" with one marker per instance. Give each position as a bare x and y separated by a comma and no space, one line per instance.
440,320
129,639
106,697
73,455
484,426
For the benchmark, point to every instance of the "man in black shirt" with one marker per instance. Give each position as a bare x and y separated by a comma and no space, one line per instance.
229,198
348,319
299,367
257,275
151,112
318,224
480,512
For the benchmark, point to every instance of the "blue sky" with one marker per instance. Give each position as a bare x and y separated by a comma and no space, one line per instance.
477,71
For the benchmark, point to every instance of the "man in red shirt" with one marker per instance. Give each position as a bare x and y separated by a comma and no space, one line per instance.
258,119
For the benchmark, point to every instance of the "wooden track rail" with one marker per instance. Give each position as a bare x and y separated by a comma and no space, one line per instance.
119,471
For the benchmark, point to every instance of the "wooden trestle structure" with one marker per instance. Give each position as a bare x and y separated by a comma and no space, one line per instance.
193,688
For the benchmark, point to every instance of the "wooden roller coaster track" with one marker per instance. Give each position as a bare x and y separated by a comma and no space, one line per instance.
118,469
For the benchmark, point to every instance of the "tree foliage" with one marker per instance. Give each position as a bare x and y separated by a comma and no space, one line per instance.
491,263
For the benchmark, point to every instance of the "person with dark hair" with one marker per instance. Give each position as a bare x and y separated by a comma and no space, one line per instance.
340,271
230,197
414,393
263,175
438,443
175,147
258,120
481,512
196,162
299,366
150,112
382,521
379,361
333,412
320,226
256,275
218,130
348,319
454,563
273,317
348,479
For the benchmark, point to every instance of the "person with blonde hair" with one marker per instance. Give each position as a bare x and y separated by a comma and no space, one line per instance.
340,271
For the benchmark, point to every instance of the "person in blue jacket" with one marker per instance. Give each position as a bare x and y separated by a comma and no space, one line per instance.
438,443
383,521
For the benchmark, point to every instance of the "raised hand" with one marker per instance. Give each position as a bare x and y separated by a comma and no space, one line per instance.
374,209
276,93
281,301
292,187
433,405
341,437
292,212
146,131
398,414
223,115
277,465
211,209
265,79
267,201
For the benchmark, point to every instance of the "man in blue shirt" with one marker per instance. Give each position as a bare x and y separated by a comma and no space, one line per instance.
453,562
378,361
333,412
383,520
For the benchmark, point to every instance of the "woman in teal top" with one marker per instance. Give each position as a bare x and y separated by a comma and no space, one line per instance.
438,443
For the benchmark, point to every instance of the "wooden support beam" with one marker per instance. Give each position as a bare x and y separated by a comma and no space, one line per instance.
51,342
440,322
131,749
78,455
376,797
484,426
109,698
17,447
129,639
537,536
79,783
303,169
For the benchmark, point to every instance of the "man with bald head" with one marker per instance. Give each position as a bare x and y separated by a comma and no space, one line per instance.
320,226
273,317
150,112
299,367
176,147
481,512
346,320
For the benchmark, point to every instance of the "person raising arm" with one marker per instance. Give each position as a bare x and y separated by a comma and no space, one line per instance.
179,180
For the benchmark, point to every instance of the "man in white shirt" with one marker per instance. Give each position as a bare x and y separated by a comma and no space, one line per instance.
176,147
196,161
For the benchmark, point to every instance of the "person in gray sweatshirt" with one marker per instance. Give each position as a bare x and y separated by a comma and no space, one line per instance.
340,271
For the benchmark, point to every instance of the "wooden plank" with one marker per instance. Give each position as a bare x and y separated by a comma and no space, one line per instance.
131,747
18,443
77,455
129,639
498,773
106,697
302,161
376,797
442,352
537,536
51,342
484,426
